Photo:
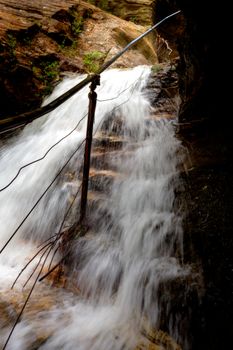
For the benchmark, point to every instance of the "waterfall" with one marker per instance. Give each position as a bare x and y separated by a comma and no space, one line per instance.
135,229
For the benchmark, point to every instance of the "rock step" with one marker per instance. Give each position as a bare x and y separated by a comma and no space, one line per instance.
113,125
46,298
108,141
100,159
101,180
114,132
160,115
96,208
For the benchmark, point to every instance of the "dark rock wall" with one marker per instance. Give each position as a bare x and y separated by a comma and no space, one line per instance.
201,37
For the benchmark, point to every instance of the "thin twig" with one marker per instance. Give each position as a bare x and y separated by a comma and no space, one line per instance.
54,268
43,157
29,262
54,253
47,240
35,268
39,199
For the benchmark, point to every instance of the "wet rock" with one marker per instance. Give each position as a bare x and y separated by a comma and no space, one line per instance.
101,180
157,340
7,313
200,82
163,91
207,225
42,300
204,130
108,142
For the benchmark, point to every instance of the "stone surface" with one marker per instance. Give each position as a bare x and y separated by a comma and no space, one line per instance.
138,11
41,40
206,135
208,231
201,35
198,34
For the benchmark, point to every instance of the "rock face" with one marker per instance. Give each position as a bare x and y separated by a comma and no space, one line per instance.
199,35
41,40
138,11
196,34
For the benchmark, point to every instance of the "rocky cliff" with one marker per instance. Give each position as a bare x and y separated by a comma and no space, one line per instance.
40,41
200,36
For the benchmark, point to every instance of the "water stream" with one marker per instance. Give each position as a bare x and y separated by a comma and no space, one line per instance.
135,230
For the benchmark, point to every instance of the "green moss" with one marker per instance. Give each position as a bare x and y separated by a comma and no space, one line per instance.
77,19
77,25
103,4
133,19
47,72
156,68
51,70
11,42
92,60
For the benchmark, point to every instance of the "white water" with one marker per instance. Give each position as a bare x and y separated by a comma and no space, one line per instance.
119,268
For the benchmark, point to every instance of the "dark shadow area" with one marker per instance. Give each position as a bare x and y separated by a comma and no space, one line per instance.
201,38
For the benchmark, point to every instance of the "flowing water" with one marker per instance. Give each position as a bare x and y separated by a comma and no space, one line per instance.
135,230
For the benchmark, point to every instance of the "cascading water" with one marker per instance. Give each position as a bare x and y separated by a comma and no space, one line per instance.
130,249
